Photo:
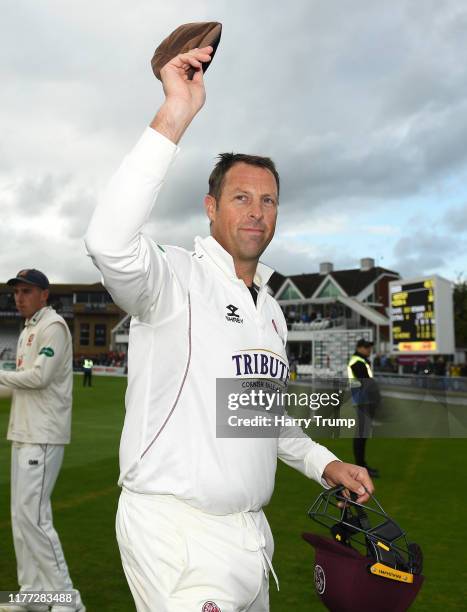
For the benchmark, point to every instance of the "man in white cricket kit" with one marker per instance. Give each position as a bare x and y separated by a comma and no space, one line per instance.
39,427
190,525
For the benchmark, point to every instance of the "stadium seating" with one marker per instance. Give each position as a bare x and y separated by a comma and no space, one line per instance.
312,325
308,370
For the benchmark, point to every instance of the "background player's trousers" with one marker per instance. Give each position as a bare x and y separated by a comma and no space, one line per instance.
40,561
178,559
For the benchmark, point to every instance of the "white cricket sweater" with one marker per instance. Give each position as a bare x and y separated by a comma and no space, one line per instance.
181,340
43,381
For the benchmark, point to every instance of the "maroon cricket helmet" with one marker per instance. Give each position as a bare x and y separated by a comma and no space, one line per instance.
344,582
368,565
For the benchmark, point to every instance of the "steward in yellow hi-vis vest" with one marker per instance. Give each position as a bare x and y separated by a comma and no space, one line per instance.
365,396
87,371
359,369
356,358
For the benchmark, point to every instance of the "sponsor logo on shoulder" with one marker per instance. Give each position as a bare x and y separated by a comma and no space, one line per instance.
232,314
210,606
47,351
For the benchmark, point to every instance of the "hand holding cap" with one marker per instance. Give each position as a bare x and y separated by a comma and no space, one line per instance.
185,38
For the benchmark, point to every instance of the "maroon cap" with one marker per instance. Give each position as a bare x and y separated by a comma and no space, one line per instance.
185,38
343,580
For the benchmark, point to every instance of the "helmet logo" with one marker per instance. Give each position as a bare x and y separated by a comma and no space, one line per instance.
320,579
210,606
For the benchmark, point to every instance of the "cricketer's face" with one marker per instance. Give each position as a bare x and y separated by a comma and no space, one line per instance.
29,299
244,217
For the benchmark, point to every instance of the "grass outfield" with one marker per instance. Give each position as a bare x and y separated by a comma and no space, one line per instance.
423,486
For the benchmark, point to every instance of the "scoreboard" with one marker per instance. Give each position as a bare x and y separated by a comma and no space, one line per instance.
421,315
413,316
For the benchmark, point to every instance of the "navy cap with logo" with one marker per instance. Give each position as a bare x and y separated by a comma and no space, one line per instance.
31,277
364,343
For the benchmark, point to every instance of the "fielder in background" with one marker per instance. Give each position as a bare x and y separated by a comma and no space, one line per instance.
366,397
190,525
39,427
88,364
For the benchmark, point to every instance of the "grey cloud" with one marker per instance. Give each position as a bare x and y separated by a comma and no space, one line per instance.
425,252
288,260
364,105
62,259
77,210
456,219
33,196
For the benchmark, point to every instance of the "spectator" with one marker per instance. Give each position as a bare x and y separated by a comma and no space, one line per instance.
440,367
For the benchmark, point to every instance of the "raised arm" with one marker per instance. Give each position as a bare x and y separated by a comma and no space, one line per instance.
133,271
183,98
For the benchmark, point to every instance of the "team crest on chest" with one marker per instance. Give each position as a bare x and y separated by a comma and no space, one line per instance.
30,339
210,606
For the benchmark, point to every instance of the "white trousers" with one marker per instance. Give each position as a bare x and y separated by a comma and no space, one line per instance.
179,559
40,561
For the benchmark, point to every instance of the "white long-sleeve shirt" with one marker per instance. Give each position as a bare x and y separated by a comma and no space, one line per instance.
182,338
43,381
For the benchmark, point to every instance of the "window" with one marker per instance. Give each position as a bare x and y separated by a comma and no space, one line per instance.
101,297
84,334
7,302
329,291
100,334
289,293
81,298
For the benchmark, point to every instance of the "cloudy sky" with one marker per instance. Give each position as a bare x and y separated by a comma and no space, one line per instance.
362,103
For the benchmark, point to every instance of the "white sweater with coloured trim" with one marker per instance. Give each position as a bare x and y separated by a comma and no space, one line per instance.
193,322
43,381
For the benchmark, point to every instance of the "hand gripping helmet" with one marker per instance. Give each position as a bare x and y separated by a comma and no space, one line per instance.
368,564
